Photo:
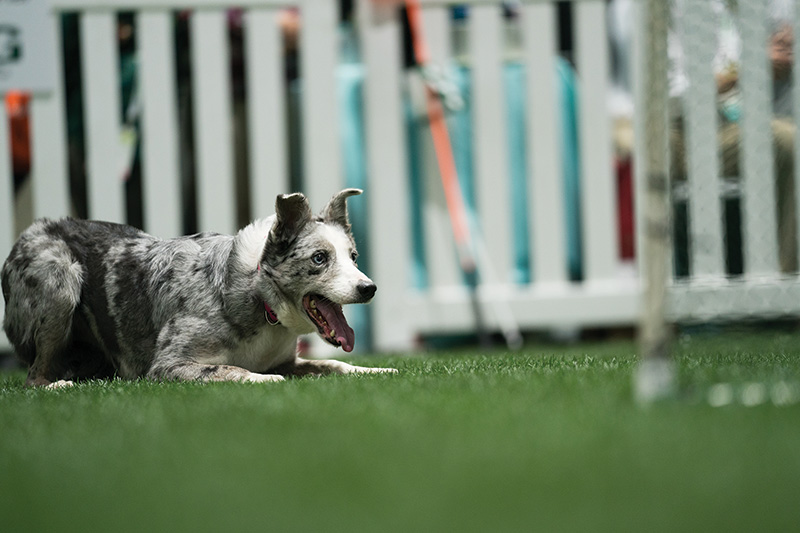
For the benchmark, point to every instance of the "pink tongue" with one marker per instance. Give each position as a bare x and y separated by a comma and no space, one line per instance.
336,321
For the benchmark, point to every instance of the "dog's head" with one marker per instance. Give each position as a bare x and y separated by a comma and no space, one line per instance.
312,261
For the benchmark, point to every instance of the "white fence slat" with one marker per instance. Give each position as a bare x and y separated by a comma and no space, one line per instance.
159,103
7,233
702,163
796,104
269,175
48,156
387,176
436,30
440,252
757,163
490,143
49,139
545,172
319,54
598,198
104,154
213,122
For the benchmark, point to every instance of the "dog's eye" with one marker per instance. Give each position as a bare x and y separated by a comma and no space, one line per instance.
354,257
319,258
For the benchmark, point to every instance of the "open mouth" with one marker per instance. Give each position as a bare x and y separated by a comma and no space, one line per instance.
330,321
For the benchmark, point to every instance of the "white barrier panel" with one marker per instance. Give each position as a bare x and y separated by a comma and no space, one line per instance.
319,54
213,122
105,155
701,146
758,171
269,172
598,209
159,96
490,141
6,205
545,170
387,167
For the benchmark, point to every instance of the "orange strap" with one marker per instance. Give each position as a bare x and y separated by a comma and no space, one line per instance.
441,142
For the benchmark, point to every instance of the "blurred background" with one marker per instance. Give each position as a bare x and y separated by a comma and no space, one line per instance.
179,117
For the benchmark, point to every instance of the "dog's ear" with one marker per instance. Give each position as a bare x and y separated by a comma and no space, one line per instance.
292,212
336,210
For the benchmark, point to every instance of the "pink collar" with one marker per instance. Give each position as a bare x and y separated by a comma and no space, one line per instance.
269,314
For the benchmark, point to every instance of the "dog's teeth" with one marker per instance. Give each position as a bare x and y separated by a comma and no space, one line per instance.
333,333
312,304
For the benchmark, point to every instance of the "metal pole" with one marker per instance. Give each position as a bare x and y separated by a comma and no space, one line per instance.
654,378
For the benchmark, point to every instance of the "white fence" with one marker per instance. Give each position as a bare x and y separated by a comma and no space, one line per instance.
605,295
761,289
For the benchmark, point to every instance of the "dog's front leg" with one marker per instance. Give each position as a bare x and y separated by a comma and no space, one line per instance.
191,371
178,352
316,367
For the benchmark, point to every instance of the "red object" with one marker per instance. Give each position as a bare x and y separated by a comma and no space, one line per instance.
627,236
17,108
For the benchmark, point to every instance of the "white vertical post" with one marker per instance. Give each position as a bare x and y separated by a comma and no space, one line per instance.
49,159
598,188
757,163
796,103
158,93
269,174
440,250
104,154
7,234
49,140
545,172
490,144
319,47
702,161
387,194
213,121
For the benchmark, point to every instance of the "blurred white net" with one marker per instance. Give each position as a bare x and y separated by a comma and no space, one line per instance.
732,149
719,237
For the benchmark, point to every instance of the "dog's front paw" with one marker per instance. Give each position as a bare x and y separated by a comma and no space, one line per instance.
262,378
374,370
60,384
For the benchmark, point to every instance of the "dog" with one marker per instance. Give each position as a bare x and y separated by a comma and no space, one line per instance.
92,300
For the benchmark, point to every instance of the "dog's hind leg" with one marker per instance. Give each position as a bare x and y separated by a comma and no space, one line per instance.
52,338
44,287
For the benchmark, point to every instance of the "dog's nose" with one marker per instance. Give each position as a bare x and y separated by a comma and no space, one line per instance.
366,289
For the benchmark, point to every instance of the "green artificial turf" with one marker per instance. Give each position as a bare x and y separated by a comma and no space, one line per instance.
548,439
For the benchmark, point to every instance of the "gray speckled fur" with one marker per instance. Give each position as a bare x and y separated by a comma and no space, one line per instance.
88,299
